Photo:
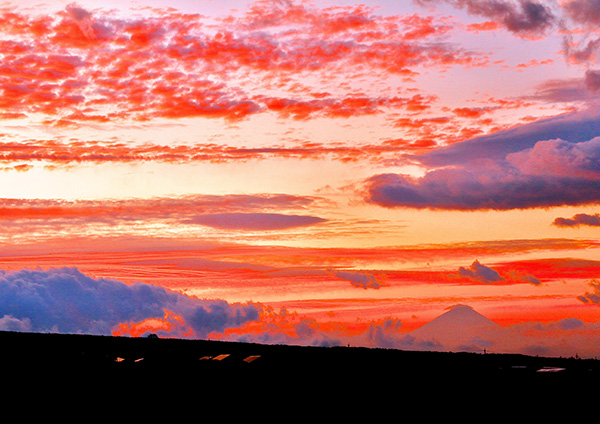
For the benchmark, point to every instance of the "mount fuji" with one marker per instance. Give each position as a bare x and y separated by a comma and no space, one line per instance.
461,328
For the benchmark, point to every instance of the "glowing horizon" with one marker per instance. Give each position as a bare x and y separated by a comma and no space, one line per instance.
358,167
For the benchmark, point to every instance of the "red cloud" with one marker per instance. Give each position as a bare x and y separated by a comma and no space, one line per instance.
78,66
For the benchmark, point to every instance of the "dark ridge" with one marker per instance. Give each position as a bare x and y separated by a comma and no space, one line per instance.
89,361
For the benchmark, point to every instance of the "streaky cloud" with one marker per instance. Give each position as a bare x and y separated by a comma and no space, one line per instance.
254,221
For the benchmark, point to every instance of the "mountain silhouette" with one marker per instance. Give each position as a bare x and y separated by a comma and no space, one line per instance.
460,328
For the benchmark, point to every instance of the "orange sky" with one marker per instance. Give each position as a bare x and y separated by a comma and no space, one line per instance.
350,165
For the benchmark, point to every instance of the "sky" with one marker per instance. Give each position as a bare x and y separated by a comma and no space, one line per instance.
302,172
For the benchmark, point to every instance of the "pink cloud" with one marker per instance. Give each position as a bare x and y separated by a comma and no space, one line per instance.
559,158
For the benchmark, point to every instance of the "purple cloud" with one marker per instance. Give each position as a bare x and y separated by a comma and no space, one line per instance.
480,273
592,80
254,221
578,220
458,189
559,158
583,11
594,296
359,279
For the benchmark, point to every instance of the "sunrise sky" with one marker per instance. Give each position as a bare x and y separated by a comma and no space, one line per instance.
308,172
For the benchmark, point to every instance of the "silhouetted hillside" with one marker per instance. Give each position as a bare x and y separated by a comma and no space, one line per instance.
87,360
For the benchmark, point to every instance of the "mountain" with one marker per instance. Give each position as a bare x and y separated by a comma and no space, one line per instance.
461,328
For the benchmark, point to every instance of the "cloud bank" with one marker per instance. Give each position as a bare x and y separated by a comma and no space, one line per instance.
64,300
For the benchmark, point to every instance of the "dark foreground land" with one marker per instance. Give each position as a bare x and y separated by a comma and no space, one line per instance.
84,361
